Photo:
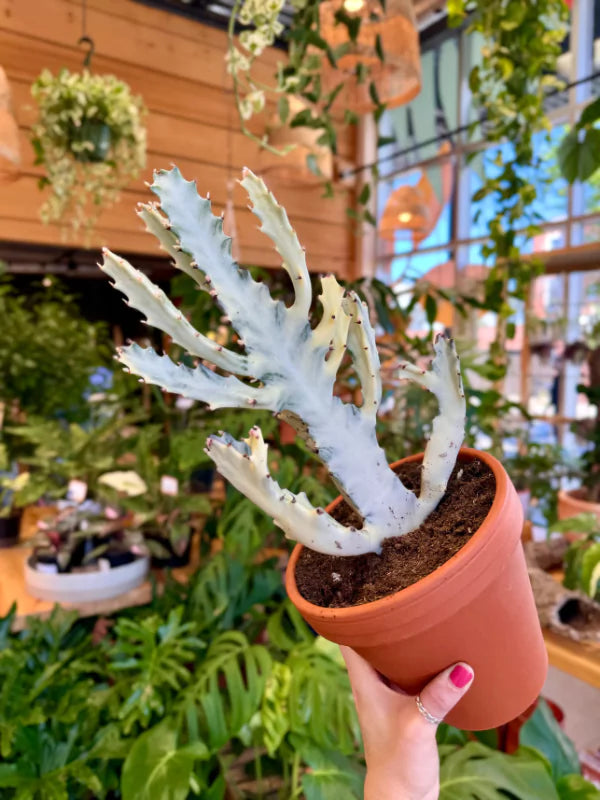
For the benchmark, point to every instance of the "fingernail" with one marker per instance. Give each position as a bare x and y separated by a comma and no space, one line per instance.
460,676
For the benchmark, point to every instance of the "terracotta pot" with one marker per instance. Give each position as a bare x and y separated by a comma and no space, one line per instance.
572,502
478,607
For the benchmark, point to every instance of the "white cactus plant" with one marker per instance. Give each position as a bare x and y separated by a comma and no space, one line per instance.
289,368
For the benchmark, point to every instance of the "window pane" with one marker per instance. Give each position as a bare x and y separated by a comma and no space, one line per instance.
559,332
415,209
418,125
552,191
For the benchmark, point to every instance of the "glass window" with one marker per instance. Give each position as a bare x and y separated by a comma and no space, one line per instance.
433,160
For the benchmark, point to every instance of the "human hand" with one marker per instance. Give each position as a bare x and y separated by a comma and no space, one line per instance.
400,746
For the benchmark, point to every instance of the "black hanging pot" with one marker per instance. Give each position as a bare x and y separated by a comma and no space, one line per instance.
96,132
9,530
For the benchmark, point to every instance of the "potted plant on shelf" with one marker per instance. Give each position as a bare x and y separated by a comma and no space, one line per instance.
586,499
165,510
87,552
582,557
457,608
536,469
91,141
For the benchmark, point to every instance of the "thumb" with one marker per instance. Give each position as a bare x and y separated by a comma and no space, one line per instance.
442,693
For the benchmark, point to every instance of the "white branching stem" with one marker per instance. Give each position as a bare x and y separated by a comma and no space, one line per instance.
293,368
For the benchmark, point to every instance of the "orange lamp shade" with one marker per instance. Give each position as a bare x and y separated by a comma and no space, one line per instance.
388,29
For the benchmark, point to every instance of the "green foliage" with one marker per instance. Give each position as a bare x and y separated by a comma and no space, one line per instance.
538,469
582,559
574,787
170,516
164,703
578,152
158,767
300,79
542,732
521,45
475,772
55,452
91,141
47,353
229,689
332,775
150,659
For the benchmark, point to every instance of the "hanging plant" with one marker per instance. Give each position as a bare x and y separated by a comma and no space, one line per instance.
344,58
90,139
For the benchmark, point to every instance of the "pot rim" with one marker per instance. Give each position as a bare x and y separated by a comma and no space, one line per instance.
571,496
422,598
91,575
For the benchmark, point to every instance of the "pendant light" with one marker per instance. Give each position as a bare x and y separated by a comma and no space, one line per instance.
10,153
386,28
302,141
406,213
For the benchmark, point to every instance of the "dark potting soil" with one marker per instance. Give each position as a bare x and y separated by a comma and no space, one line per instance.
337,582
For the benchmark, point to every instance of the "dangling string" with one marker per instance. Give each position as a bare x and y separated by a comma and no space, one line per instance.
229,225
84,38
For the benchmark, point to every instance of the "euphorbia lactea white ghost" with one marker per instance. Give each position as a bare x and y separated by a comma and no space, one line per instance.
289,368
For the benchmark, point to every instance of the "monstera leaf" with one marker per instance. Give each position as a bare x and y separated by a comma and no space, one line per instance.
157,767
475,772
542,732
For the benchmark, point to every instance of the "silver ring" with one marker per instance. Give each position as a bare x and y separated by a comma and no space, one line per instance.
424,713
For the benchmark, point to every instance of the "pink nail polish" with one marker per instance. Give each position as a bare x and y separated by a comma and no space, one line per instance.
460,676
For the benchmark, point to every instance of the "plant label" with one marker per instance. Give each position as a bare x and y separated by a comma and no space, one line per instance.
77,491
169,485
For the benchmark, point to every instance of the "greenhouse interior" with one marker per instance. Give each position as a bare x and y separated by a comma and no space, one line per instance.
299,399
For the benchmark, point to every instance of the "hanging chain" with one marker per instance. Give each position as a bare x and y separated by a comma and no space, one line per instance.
84,38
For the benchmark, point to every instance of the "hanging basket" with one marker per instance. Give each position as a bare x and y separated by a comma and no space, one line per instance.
90,140
293,166
387,30
95,133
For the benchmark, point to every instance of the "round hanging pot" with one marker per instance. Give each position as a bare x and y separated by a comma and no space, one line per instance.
100,136
478,607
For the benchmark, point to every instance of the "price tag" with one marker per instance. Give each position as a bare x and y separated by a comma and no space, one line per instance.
169,485
77,491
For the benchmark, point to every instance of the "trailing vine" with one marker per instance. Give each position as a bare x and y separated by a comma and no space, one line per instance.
299,76
90,139
518,67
